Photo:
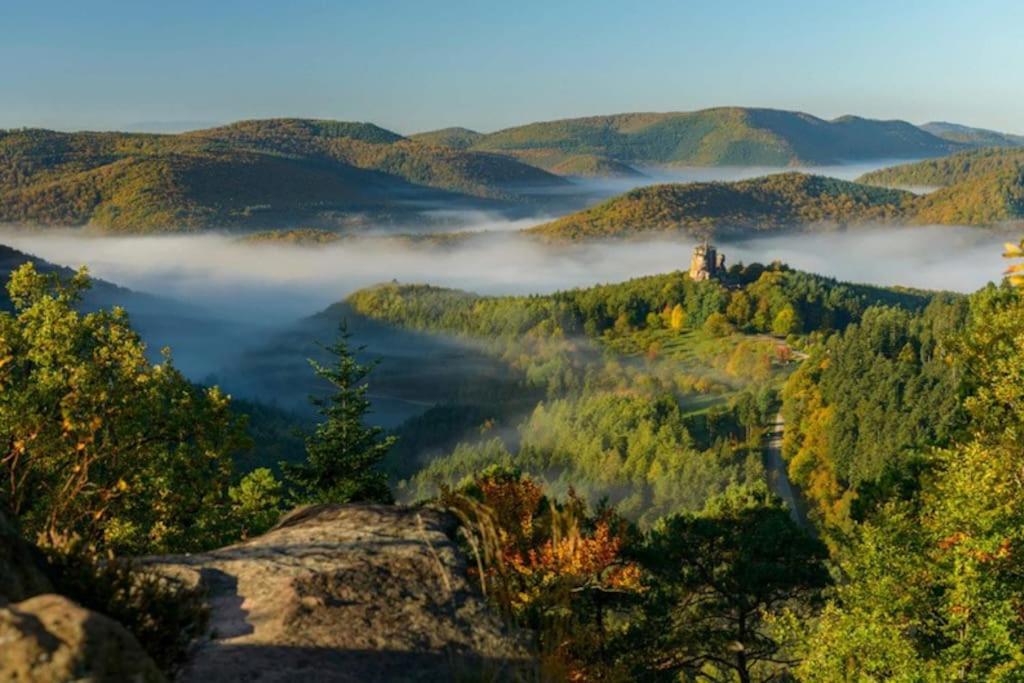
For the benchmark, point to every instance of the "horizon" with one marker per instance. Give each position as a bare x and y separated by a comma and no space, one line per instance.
175,127
118,66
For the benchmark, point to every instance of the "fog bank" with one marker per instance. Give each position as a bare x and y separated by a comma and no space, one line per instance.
236,296
275,283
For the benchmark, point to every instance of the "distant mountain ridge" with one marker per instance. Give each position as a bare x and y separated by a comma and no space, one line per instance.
973,136
309,173
726,136
248,174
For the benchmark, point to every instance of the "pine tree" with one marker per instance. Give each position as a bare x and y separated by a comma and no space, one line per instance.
343,453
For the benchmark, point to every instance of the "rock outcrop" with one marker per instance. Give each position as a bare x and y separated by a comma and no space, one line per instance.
346,593
49,638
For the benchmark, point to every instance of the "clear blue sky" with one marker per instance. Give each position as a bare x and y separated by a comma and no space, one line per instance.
414,65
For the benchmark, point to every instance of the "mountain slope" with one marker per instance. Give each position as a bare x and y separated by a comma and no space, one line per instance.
249,174
102,294
981,137
989,199
717,137
590,166
979,187
455,137
956,168
368,147
762,204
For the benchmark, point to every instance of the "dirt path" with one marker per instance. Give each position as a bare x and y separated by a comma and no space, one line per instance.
778,478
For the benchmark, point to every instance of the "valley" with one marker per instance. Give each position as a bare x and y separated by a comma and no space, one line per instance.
508,320
522,342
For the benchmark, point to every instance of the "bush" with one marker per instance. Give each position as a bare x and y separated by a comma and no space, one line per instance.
717,325
163,613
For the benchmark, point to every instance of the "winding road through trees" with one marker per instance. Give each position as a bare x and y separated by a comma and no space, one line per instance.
778,478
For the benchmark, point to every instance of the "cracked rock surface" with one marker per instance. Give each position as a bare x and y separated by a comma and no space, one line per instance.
347,593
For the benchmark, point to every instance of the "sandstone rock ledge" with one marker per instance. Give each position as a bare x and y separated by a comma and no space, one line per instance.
50,639
347,593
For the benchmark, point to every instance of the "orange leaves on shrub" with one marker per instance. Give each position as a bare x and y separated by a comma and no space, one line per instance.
514,502
590,559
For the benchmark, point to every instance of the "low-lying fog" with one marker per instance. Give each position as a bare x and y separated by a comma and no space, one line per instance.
277,282
256,289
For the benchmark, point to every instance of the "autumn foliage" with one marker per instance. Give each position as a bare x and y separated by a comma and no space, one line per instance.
549,566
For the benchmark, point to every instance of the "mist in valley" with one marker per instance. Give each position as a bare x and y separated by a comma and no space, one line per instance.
272,284
244,315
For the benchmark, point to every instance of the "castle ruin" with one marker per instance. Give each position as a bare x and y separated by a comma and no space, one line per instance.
706,263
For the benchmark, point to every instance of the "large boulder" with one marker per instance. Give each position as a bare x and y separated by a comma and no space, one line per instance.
22,567
347,593
49,638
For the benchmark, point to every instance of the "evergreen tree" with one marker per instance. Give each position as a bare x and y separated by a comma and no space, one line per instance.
343,453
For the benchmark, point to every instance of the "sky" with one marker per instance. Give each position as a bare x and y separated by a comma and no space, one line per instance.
412,65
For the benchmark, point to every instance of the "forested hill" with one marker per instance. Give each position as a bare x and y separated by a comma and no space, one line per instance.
731,136
252,173
455,137
101,294
761,293
769,203
956,168
973,136
980,187
977,196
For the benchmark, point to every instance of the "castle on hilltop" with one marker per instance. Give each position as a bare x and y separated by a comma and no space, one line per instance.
706,262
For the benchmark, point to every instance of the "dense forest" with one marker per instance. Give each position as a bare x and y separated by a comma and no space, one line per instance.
627,517
608,358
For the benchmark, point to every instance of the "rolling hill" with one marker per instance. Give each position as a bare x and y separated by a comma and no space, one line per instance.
250,174
102,294
956,168
591,166
981,137
768,203
730,136
978,187
455,137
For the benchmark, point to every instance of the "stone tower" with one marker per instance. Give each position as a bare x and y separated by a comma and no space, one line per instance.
706,262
